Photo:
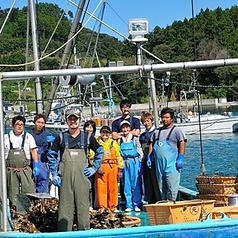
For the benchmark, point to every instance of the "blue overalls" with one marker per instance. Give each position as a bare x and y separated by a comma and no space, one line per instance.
165,164
132,187
42,180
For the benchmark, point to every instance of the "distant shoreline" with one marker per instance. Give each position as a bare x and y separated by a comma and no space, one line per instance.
137,109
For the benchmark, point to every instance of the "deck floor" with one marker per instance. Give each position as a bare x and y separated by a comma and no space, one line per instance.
142,215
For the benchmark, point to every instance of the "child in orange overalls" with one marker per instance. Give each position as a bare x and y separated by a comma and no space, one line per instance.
106,178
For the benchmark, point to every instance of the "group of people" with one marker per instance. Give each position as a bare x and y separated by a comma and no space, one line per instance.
88,169
26,158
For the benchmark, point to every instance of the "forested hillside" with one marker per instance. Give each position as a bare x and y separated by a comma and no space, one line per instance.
212,35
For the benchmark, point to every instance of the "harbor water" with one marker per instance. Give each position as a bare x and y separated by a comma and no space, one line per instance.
218,152
220,156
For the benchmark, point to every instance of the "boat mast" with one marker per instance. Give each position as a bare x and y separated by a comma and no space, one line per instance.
32,8
66,53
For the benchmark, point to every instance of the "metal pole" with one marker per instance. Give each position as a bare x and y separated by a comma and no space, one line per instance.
197,94
194,38
65,54
3,193
39,104
162,96
149,95
154,99
91,103
119,69
111,103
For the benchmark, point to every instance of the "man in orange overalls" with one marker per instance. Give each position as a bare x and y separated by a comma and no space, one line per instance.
106,178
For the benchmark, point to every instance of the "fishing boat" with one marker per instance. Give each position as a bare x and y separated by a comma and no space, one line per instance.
207,228
209,123
219,228
190,118
222,226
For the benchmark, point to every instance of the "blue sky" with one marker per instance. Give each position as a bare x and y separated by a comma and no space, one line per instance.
119,12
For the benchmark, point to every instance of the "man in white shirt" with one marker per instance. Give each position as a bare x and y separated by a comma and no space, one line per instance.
20,147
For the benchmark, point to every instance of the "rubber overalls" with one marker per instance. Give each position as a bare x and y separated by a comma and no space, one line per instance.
42,180
19,173
165,162
74,191
132,188
152,193
106,182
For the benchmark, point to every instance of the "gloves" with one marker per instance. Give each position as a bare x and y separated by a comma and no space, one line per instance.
52,161
89,171
141,168
50,138
99,153
179,162
149,160
56,179
36,170
53,167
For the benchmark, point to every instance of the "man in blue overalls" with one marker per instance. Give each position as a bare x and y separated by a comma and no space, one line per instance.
73,172
167,148
43,139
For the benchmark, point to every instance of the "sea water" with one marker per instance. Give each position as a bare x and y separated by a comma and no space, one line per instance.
217,152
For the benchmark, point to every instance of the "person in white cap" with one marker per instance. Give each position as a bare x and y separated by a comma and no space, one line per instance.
132,155
125,107
73,172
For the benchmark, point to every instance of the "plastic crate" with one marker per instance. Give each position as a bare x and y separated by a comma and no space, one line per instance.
230,211
179,212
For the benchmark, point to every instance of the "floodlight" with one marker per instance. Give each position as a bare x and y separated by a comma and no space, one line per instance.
138,26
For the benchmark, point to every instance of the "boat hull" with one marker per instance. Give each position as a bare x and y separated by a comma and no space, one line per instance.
225,125
208,228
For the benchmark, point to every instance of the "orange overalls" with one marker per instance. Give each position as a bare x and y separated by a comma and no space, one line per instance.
106,181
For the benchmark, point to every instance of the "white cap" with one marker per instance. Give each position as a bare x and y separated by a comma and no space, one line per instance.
125,122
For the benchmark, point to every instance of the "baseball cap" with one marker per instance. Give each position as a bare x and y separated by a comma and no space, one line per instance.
125,122
105,128
73,112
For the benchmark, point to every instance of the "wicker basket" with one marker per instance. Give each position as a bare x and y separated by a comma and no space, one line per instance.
220,204
178,212
216,179
220,199
217,188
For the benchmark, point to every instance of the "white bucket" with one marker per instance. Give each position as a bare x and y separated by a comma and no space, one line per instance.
233,200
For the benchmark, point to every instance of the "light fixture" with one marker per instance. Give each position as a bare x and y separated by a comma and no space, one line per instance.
138,28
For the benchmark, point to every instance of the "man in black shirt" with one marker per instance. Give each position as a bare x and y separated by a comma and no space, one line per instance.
73,172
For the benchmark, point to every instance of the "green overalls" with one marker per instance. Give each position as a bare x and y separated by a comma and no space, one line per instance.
74,190
19,173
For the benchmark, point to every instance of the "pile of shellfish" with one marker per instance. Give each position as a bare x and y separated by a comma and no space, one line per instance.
43,215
